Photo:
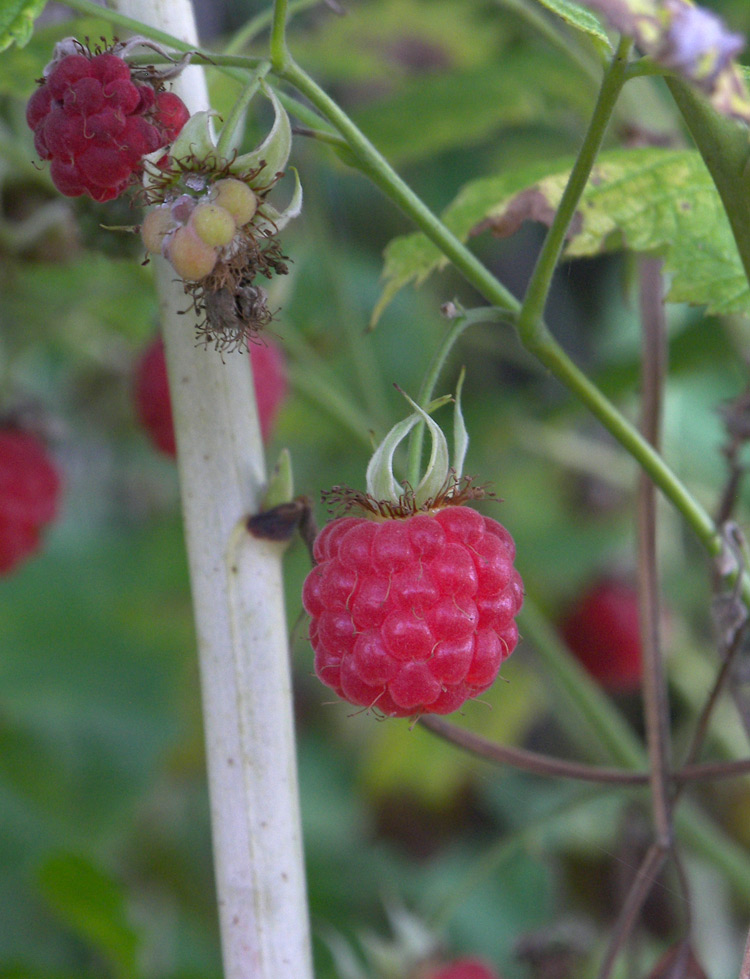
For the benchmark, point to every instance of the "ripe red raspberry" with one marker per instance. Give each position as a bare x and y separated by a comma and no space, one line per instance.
602,630
29,495
95,124
154,407
465,969
413,615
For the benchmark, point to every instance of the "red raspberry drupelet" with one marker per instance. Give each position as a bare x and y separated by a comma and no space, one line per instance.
95,124
29,495
413,615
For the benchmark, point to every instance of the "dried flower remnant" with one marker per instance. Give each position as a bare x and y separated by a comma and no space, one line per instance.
212,221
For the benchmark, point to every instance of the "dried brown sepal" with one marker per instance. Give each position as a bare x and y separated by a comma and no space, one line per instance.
232,309
281,522
455,491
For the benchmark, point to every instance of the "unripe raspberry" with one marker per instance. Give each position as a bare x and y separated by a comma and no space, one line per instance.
603,631
237,198
414,614
30,490
191,258
213,224
157,224
154,407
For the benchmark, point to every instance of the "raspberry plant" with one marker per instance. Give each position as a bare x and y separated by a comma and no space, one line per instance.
412,605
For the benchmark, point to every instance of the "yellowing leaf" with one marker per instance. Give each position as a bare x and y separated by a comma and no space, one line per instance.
17,21
648,199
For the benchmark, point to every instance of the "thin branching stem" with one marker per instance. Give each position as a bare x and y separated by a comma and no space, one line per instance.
654,681
538,764
644,880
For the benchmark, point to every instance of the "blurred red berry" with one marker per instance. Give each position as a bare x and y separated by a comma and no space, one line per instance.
151,394
602,629
30,487
413,615
465,969
154,407
95,124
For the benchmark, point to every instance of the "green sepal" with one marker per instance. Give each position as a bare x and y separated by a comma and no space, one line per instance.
196,139
460,434
273,152
380,481
280,488
278,220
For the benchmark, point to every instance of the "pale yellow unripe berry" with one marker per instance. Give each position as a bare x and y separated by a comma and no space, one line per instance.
213,224
237,198
191,257
157,224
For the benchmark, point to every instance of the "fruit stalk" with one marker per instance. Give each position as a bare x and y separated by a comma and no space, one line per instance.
240,623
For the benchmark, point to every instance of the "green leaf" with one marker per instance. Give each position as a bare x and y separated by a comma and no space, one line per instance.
643,199
17,21
93,904
580,18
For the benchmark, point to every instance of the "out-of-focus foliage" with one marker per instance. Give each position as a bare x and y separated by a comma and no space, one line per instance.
105,853
644,199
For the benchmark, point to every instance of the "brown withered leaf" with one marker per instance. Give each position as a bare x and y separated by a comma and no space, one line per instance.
529,205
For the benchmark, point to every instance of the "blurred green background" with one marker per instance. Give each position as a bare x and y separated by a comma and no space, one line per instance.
105,856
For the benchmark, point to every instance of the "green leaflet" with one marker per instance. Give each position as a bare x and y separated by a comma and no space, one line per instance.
17,21
648,199
581,19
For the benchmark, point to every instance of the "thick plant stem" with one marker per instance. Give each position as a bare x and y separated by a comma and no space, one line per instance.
240,623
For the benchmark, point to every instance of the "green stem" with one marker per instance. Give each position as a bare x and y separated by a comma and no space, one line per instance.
537,340
259,23
724,147
384,177
279,50
532,309
485,314
227,137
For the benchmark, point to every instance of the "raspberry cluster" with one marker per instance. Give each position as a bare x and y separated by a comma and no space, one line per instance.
154,407
602,629
30,489
95,124
192,232
413,615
